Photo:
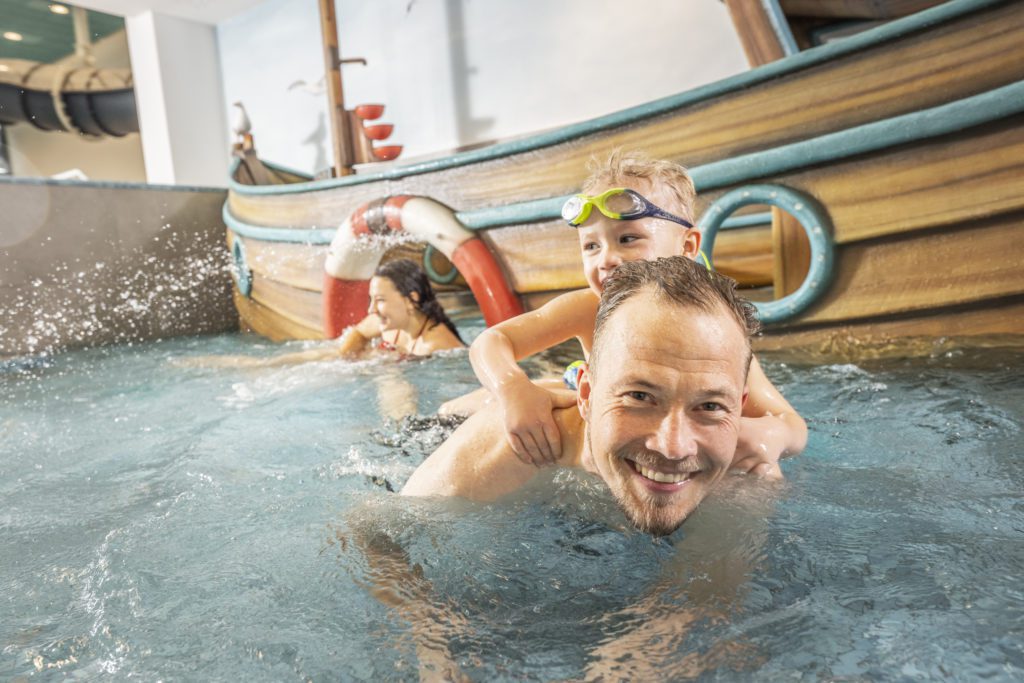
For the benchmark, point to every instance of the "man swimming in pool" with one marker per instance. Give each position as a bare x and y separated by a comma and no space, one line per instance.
658,407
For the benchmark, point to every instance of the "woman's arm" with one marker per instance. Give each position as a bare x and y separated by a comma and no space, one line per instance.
355,339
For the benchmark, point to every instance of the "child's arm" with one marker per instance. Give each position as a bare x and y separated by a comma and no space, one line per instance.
526,408
770,429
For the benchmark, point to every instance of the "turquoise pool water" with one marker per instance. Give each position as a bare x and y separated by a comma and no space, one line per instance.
168,523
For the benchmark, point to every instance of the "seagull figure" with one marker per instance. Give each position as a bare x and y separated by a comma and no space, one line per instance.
240,123
317,88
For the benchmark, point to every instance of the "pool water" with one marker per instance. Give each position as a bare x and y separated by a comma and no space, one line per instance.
164,522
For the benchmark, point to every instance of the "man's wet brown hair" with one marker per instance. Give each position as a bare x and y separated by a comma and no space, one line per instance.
621,167
679,280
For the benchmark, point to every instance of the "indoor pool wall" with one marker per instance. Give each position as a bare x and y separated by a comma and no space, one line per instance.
92,263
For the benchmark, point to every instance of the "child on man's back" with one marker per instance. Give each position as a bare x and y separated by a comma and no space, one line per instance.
632,208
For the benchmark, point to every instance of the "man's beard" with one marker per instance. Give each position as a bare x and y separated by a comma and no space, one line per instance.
649,521
650,516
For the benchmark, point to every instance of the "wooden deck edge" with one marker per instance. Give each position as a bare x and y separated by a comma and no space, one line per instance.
996,324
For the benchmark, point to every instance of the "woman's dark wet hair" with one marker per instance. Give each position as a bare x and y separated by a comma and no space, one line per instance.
407,277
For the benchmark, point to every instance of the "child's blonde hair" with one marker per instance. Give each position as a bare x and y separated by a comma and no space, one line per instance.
622,166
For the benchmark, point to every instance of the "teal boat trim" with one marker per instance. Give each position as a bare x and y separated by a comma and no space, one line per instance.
798,62
816,224
277,234
533,211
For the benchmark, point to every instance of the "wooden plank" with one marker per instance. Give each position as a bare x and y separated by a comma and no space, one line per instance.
925,270
963,177
251,170
793,253
999,325
937,65
538,257
302,265
754,28
270,324
320,209
300,306
544,257
855,9
745,254
297,265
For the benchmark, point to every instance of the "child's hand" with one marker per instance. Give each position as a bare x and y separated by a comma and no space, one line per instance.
529,424
761,444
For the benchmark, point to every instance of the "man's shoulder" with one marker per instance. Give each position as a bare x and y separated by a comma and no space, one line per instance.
477,462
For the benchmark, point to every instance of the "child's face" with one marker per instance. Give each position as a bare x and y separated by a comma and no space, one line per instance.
606,242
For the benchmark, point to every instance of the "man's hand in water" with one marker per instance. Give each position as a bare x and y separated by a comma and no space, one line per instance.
529,425
761,444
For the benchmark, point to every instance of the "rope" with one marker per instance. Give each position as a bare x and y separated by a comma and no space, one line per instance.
60,79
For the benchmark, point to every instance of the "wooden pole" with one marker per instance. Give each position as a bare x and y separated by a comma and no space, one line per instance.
753,26
340,125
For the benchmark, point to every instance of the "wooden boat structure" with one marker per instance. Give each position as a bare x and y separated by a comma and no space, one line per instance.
867,192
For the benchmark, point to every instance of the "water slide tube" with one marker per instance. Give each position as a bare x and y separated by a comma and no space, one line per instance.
96,102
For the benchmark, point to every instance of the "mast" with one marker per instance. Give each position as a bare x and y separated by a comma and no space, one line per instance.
340,124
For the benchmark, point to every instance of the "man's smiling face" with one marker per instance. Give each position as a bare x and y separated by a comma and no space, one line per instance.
663,407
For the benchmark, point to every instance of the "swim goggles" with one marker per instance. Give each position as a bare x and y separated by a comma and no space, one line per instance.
619,204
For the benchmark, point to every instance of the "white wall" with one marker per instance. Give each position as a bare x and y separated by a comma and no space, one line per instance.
40,154
178,96
459,72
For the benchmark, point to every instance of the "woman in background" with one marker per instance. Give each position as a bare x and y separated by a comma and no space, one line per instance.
404,314
404,317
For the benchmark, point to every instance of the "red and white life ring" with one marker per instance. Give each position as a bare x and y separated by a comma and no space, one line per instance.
354,256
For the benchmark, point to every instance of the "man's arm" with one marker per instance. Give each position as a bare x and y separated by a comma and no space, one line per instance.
401,586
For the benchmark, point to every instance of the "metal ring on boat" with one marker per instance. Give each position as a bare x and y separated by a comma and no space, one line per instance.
354,255
241,272
428,268
812,218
